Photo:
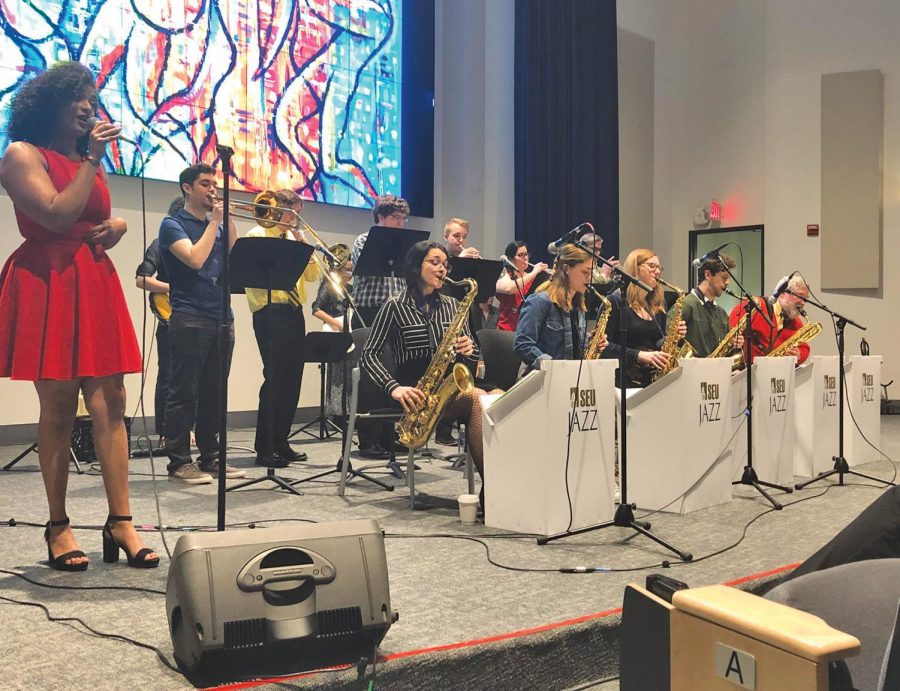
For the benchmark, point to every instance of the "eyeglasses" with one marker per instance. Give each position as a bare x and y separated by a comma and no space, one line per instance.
399,216
653,266
437,262
523,254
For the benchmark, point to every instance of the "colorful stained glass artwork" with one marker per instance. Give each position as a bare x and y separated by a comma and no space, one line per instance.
307,92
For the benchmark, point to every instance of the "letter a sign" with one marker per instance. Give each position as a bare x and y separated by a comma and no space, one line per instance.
736,666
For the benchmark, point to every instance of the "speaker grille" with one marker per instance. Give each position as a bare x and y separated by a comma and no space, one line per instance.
337,622
247,633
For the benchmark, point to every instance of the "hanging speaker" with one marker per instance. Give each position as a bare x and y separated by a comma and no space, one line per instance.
306,596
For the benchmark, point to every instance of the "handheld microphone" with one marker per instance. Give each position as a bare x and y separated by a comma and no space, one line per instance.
92,123
709,255
574,234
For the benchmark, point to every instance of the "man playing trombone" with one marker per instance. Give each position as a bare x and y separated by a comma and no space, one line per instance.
280,330
191,244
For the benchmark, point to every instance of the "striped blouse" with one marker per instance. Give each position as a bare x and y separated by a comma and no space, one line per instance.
413,338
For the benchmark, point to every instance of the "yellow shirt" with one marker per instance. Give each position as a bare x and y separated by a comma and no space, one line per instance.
257,297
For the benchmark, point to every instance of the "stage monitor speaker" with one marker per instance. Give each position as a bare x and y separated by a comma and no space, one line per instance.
306,596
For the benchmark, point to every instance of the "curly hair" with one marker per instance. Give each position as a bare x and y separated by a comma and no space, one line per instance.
388,204
37,105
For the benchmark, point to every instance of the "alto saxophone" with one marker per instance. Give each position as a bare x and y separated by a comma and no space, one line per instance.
593,351
804,334
415,427
676,347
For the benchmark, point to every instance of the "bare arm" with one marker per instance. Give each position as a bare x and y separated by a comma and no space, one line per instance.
23,174
151,285
196,254
335,324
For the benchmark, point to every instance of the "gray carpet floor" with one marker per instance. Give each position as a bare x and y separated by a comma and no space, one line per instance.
447,589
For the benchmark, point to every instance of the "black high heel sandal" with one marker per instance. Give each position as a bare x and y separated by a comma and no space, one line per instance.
111,548
60,563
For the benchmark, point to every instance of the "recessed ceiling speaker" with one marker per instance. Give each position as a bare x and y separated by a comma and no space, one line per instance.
300,596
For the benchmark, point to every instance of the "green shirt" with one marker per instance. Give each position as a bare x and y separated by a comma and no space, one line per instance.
707,323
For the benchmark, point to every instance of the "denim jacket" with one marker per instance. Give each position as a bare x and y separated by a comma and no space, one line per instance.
544,331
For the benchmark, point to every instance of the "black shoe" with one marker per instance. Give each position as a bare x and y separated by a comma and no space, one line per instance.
271,460
292,456
374,452
449,440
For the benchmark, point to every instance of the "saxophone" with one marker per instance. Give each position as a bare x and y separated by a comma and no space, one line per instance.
415,427
593,350
726,345
674,345
804,334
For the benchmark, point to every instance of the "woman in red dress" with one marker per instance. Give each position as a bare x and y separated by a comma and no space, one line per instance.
513,286
63,320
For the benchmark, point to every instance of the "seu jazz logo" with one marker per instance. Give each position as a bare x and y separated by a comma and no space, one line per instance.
829,395
777,396
583,410
868,387
710,404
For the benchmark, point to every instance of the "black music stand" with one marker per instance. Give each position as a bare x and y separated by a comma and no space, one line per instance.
841,467
33,447
326,348
483,271
269,264
385,250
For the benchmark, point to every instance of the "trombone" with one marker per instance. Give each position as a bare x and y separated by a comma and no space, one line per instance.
265,211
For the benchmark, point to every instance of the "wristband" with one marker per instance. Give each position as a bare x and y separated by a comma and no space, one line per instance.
93,160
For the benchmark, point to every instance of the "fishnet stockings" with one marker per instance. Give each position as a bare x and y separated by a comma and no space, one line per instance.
467,407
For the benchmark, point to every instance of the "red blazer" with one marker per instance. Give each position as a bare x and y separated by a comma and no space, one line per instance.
763,338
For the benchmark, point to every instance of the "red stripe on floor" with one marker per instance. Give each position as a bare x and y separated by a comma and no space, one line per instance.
489,639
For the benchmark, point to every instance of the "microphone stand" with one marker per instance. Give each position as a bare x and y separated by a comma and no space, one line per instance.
749,476
225,154
841,467
624,516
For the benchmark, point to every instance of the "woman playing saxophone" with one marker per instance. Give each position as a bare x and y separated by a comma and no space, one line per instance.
644,315
552,324
412,322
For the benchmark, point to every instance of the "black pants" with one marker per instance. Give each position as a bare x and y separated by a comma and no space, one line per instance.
163,375
193,400
280,334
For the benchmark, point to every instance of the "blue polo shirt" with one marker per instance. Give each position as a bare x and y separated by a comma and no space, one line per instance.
192,291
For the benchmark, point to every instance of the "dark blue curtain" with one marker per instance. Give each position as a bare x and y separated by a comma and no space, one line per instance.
567,127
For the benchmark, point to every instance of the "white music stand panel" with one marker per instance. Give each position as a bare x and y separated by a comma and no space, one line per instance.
525,445
773,419
816,415
863,374
679,458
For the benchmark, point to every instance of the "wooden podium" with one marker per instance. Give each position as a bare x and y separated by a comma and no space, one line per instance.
773,419
863,392
526,441
816,415
679,458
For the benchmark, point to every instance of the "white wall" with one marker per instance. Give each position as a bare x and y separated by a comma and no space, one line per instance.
737,117
473,179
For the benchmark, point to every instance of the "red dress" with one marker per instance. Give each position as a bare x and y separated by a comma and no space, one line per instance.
509,306
62,310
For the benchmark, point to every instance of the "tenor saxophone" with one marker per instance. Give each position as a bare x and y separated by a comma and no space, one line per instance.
726,345
676,347
593,351
804,334
416,426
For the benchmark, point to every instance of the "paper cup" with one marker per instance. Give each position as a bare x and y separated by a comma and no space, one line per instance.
468,508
